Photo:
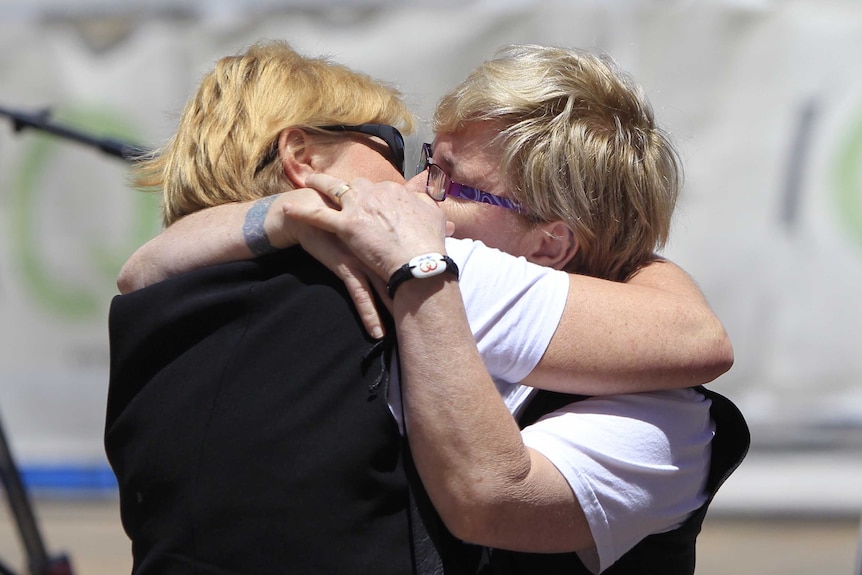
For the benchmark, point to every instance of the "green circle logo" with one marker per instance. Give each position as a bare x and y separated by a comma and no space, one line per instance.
97,258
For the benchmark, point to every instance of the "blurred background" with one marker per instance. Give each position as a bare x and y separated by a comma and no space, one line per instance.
763,98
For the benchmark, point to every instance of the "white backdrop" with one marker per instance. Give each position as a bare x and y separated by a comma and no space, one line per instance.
763,98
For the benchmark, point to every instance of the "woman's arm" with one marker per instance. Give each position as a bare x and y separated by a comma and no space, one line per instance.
213,236
488,487
240,231
209,237
654,332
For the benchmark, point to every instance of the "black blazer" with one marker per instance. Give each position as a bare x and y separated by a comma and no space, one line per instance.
248,429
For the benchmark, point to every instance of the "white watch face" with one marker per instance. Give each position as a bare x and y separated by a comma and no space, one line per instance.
427,265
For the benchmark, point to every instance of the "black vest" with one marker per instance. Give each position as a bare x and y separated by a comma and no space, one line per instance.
671,553
248,427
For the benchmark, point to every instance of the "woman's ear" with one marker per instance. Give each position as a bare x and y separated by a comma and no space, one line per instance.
296,153
555,245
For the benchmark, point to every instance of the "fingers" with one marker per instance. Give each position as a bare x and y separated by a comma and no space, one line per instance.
329,251
383,224
342,189
362,294
336,191
314,208
333,188
378,284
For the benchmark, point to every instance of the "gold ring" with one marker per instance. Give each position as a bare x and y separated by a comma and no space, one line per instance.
342,191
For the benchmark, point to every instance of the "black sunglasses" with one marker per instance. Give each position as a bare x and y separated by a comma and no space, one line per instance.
389,134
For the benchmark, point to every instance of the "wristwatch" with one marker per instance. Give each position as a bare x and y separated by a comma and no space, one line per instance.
424,266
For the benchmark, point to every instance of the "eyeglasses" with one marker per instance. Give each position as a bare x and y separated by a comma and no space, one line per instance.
440,185
389,134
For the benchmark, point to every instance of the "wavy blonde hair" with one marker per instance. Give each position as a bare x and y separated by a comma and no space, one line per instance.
223,148
581,145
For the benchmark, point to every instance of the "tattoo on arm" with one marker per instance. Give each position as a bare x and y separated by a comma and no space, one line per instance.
253,229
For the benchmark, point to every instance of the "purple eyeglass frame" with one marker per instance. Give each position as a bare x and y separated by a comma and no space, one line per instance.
456,190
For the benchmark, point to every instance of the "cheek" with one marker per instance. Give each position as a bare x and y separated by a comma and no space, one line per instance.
417,184
378,169
495,227
360,161
466,220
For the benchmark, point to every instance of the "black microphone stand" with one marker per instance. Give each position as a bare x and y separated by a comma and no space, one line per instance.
41,121
38,560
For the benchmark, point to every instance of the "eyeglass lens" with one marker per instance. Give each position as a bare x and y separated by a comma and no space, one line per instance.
439,185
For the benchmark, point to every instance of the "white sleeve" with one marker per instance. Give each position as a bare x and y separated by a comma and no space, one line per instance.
513,306
637,463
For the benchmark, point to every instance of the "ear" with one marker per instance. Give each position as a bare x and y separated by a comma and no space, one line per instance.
297,154
554,246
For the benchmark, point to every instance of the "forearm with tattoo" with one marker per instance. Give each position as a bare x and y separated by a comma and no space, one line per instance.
253,229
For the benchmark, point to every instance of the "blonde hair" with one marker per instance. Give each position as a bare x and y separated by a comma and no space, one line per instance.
223,148
580,145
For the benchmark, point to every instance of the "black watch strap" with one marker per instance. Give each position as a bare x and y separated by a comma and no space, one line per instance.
424,266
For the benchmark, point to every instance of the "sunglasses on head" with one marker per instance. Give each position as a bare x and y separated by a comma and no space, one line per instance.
389,134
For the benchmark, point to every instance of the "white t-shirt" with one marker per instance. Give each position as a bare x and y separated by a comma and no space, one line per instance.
498,291
637,463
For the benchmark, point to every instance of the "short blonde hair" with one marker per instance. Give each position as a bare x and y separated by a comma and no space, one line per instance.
580,145
222,150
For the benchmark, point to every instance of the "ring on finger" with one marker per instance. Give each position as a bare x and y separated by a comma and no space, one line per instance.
342,190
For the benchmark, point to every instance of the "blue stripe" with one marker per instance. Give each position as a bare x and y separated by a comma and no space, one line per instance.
68,477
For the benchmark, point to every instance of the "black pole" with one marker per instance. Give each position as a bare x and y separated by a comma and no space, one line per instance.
41,121
37,557
5,570
39,562
20,506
